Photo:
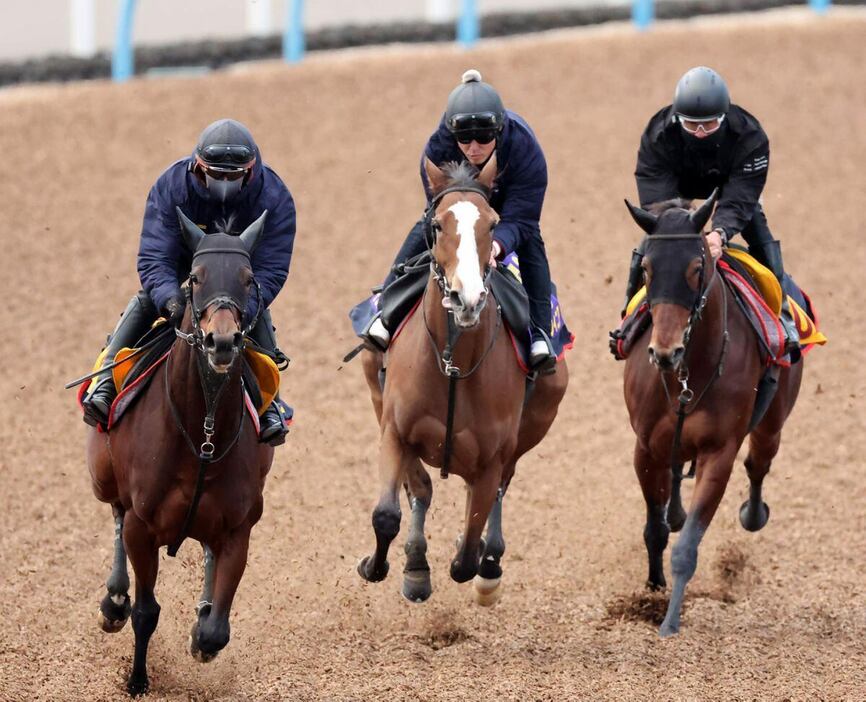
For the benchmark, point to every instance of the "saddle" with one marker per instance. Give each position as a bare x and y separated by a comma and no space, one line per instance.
757,292
401,298
261,377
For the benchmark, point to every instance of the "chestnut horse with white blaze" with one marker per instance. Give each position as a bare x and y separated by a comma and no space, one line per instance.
456,338
694,399
162,486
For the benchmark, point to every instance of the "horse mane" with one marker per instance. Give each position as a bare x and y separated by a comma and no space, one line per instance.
225,225
462,176
676,203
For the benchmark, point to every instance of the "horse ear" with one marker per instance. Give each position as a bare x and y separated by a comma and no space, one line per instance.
192,235
645,220
435,176
251,235
700,216
488,173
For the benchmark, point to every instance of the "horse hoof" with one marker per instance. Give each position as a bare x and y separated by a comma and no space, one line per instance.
137,686
114,611
109,626
194,649
667,630
676,521
487,591
372,577
416,586
754,520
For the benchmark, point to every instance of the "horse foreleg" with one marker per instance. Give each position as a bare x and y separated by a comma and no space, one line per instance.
144,555
712,478
115,608
479,500
416,574
393,465
487,582
206,599
211,631
655,483
754,512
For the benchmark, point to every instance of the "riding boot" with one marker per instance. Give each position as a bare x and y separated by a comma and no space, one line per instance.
273,426
139,315
635,279
376,335
770,254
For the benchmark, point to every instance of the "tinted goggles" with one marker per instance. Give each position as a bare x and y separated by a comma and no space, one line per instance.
227,154
223,172
482,136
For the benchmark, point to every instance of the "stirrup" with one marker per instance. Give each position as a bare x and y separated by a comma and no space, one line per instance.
97,404
540,361
273,428
376,335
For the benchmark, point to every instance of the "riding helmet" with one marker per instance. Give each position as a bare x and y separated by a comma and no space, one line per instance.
474,104
701,94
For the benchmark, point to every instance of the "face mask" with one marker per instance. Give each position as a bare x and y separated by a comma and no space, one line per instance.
222,189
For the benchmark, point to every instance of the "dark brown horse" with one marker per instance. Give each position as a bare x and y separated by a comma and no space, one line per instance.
491,426
191,417
705,365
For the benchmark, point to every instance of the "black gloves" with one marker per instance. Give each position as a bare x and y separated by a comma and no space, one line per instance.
174,309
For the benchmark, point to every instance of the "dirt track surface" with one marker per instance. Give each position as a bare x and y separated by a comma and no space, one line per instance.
775,615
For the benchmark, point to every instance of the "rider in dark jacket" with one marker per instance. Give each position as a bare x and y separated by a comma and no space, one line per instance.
474,126
223,185
699,143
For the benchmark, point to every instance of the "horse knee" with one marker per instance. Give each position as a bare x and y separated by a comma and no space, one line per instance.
386,521
145,619
655,536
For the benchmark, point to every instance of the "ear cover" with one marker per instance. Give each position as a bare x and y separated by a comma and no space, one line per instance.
644,219
252,234
192,235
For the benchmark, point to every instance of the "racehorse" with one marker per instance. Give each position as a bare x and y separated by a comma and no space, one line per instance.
694,400
455,340
163,484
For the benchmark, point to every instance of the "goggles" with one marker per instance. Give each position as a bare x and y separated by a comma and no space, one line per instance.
227,154
482,136
223,172
705,126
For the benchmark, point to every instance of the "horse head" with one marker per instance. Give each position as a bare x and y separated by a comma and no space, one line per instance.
220,283
677,269
461,224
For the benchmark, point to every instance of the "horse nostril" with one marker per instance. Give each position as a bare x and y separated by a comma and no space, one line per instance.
209,342
238,339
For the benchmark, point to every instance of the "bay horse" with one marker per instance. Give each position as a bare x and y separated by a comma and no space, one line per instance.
458,332
162,483
694,400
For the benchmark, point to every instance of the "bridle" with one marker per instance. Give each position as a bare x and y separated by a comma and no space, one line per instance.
445,358
212,385
686,393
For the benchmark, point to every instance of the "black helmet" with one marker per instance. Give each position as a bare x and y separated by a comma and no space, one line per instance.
474,106
701,94
224,158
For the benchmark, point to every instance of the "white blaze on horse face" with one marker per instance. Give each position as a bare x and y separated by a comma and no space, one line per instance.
467,278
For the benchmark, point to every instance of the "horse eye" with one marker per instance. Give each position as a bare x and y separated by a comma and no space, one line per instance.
193,278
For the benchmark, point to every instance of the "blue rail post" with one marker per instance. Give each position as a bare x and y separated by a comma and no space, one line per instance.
293,36
122,65
642,13
467,24
820,6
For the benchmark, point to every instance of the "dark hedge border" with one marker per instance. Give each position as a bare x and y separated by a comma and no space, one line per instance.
216,54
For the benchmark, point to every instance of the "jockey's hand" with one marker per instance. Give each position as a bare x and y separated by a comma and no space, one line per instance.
495,250
714,241
174,309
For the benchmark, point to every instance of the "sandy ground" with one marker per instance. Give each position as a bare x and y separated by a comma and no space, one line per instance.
772,616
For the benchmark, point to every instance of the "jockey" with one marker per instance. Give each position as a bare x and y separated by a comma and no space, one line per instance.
697,144
474,126
223,184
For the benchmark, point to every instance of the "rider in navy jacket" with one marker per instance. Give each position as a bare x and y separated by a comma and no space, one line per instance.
223,185
474,126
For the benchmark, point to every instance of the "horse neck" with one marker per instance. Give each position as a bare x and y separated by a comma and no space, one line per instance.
472,343
188,393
